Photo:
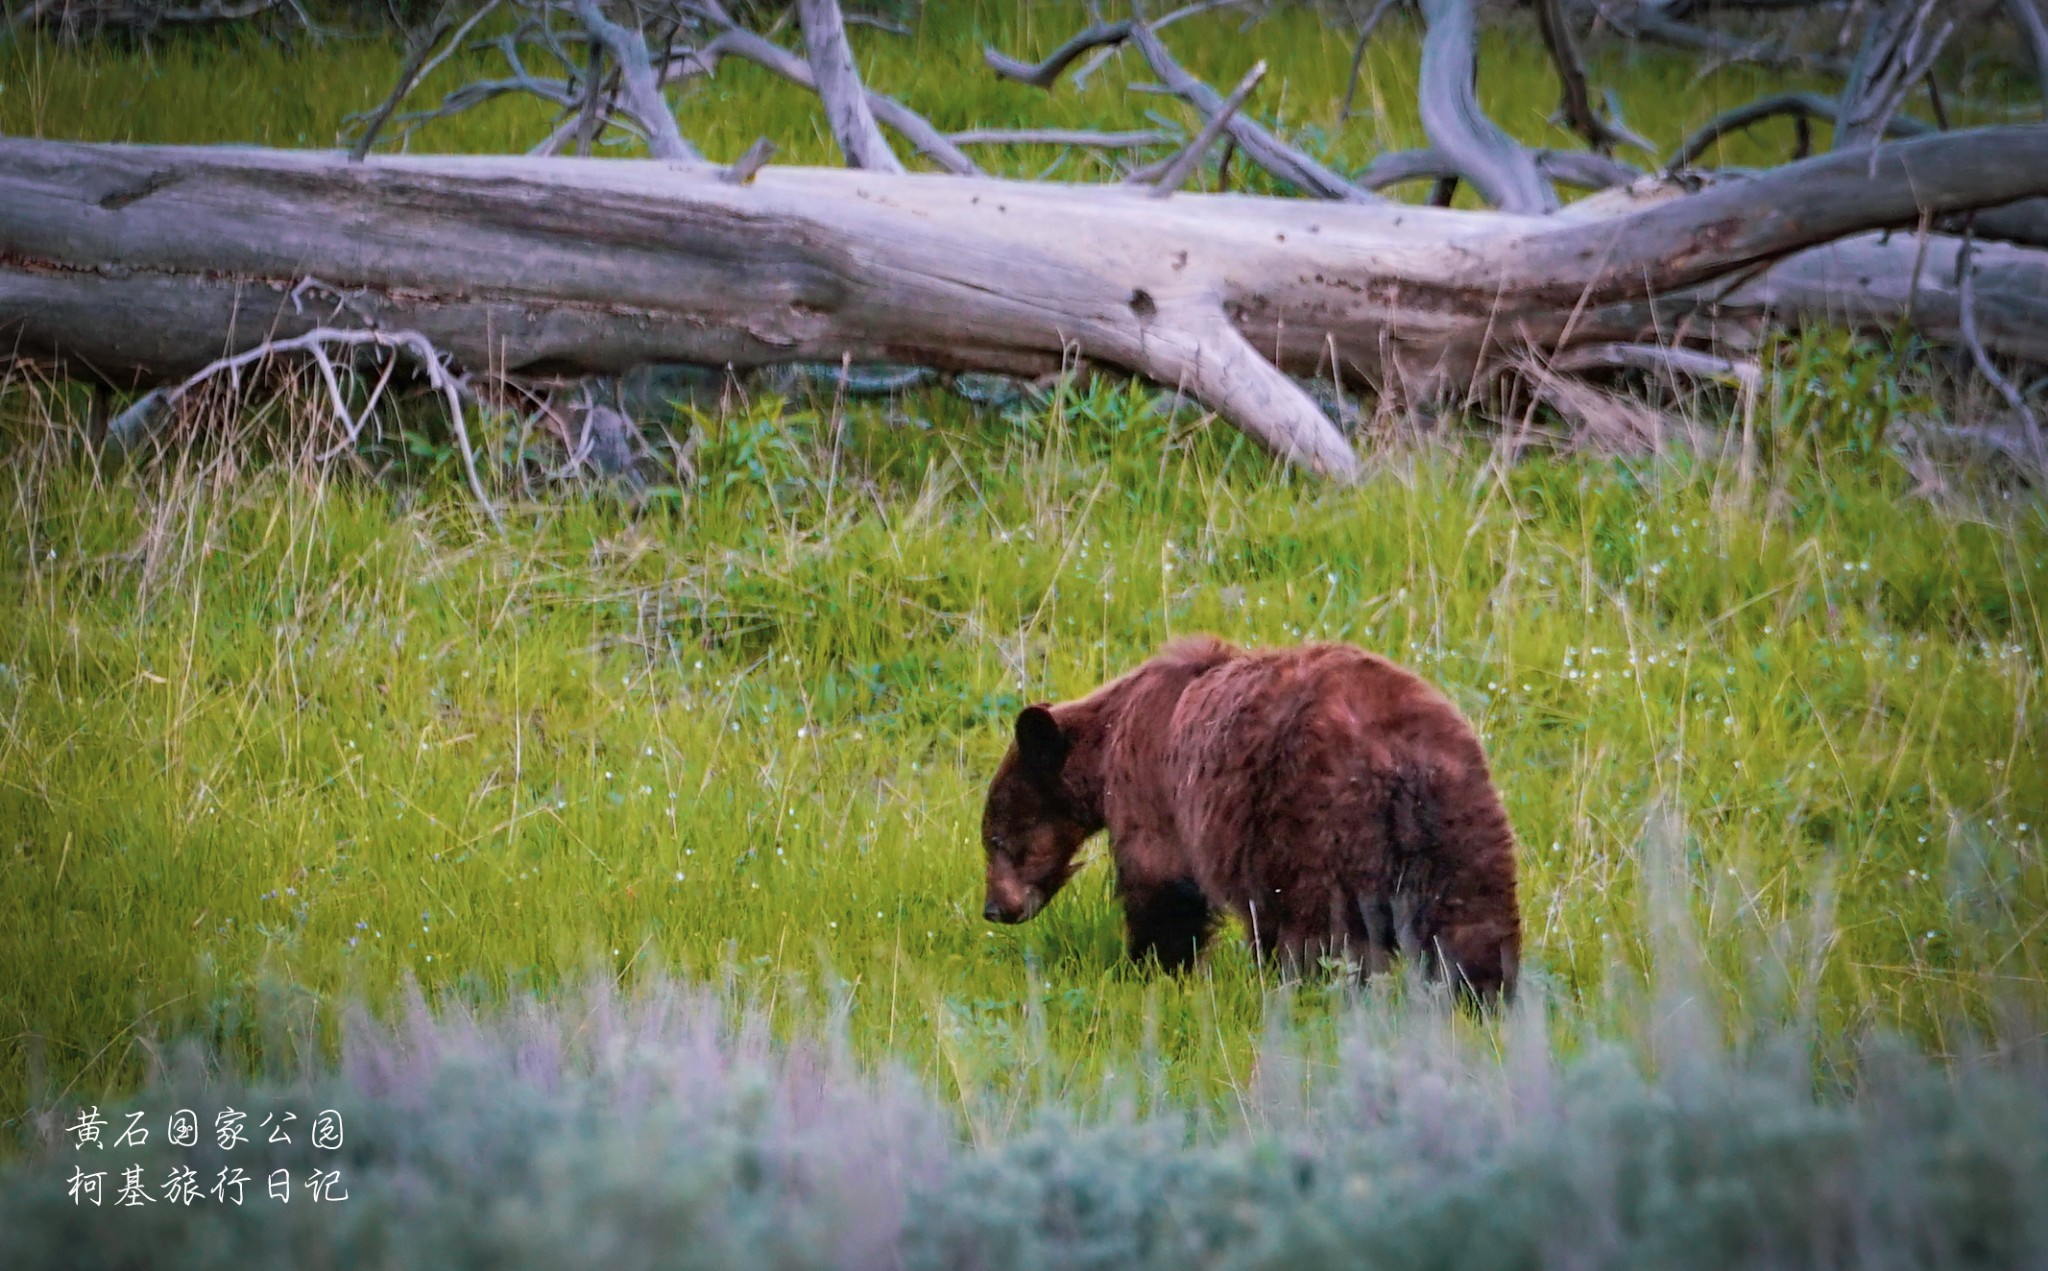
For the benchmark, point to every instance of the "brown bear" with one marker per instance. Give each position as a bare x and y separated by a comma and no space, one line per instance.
1333,801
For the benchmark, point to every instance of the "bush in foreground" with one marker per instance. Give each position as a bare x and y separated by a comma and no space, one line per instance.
667,1127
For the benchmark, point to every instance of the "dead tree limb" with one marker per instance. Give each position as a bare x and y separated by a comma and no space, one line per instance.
1259,145
639,83
1897,51
745,167
1579,169
1365,30
2016,400
1184,164
1087,138
420,62
1777,105
127,427
1648,20
1502,170
1046,72
141,263
839,87
1575,96
1661,359
737,41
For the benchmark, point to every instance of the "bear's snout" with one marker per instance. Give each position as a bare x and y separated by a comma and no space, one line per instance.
1013,904
1023,910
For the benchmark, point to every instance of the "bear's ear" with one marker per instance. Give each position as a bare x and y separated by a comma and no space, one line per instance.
1041,746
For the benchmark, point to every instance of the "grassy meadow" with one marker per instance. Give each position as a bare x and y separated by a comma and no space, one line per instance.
278,736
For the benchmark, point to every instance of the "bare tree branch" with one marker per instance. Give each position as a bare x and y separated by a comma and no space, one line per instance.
737,41
1133,140
1760,217
839,87
1965,283
1365,30
1575,98
1046,73
420,62
1798,105
1284,161
316,343
1259,145
1184,163
1576,168
1202,354
1500,168
1896,53
1648,20
1663,359
642,88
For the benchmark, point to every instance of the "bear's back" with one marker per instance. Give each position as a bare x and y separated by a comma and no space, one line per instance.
1287,732
1333,694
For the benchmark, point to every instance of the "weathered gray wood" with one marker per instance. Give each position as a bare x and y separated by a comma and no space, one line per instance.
839,87
1259,145
145,263
738,41
1898,49
642,87
1501,170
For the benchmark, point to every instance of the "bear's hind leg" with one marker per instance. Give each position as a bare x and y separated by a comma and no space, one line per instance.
1169,921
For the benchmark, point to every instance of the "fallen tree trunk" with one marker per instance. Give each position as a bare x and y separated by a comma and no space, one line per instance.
145,263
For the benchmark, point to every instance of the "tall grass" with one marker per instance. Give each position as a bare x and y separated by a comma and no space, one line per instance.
262,722
337,732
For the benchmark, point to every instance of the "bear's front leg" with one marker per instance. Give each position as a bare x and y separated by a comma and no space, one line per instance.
1168,920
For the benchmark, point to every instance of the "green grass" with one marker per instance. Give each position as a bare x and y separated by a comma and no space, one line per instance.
260,725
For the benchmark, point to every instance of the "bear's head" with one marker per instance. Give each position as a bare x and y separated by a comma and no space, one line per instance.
1031,826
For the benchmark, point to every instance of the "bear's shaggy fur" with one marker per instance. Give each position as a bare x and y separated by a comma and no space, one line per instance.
1333,801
